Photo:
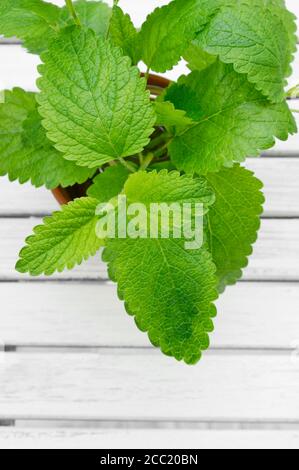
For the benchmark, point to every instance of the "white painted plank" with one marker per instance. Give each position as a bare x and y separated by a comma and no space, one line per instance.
279,175
19,68
18,199
145,385
12,235
251,315
275,257
146,439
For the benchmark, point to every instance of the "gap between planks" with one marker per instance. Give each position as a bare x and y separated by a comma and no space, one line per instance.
90,424
105,349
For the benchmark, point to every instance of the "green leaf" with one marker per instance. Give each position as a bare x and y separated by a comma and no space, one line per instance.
233,221
25,152
95,105
108,184
33,21
237,121
123,34
65,239
168,31
184,98
95,15
169,116
37,23
289,21
242,35
197,58
168,289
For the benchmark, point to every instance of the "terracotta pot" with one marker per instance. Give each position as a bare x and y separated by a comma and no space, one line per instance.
65,195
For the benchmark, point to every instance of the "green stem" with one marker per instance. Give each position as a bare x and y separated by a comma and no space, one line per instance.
128,165
146,75
72,11
146,161
155,90
294,110
160,139
293,92
160,151
140,158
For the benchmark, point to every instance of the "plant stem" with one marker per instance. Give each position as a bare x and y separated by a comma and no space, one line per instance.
128,165
161,150
140,157
72,11
155,90
146,75
146,161
160,139
294,110
293,92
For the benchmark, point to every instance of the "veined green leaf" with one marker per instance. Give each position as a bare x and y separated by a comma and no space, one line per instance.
33,21
25,152
242,35
108,184
197,58
95,15
123,34
237,121
65,239
169,30
233,221
37,23
95,105
167,288
168,116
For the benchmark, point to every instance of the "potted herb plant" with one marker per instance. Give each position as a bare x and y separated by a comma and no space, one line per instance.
98,128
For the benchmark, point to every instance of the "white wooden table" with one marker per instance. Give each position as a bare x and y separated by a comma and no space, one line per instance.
74,370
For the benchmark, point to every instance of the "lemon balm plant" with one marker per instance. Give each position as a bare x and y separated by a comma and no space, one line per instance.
98,121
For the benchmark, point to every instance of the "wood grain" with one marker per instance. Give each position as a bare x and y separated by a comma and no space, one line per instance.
251,315
279,175
275,256
145,439
25,199
144,385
